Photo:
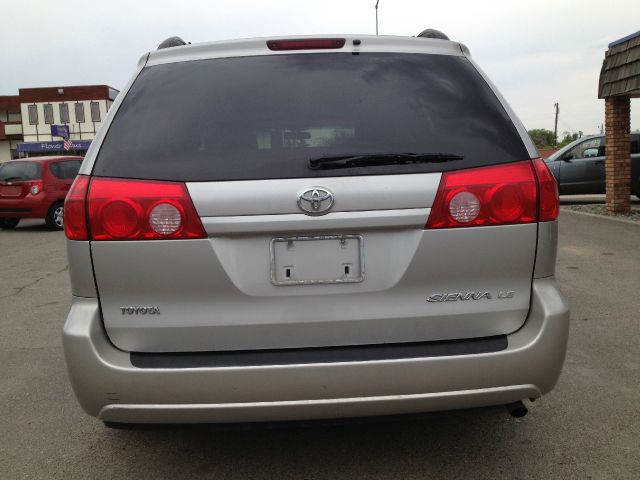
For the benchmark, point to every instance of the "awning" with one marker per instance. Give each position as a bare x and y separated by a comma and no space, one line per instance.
33,147
620,74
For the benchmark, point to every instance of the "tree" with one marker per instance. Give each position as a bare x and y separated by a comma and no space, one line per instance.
542,137
569,137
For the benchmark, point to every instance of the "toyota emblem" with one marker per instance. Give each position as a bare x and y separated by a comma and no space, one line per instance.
315,201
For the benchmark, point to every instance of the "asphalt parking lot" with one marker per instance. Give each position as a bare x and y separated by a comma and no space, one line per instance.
588,427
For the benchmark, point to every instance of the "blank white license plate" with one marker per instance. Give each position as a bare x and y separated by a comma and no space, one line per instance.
317,260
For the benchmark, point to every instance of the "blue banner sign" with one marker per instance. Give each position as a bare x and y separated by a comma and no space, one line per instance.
60,131
33,147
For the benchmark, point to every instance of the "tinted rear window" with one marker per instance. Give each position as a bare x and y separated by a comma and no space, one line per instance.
266,116
65,170
16,171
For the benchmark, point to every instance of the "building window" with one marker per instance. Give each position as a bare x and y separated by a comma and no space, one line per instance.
80,112
33,114
64,113
95,112
48,113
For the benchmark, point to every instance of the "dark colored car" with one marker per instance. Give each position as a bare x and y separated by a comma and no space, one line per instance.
36,188
579,167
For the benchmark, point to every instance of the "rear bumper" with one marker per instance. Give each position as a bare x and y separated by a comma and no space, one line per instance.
31,206
109,387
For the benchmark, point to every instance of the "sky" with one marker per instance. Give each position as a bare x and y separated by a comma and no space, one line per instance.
537,53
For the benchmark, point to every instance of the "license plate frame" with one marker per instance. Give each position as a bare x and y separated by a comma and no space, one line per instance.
357,262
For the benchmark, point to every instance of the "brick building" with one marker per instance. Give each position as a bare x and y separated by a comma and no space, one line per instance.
619,82
26,118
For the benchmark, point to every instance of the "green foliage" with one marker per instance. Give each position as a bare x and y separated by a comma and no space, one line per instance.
542,137
569,137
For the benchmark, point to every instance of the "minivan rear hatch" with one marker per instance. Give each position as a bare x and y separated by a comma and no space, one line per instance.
298,252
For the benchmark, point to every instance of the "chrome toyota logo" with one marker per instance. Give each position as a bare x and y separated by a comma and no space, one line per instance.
315,201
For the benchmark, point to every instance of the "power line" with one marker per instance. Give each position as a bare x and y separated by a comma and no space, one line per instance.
567,126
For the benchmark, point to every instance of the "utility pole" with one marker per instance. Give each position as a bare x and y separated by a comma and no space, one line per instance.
555,128
377,2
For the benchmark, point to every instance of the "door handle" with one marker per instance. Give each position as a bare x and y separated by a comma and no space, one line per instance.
599,162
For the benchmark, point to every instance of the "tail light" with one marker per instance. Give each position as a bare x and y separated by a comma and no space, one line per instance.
306,44
36,187
141,210
75,211
118,209
521,192
548,188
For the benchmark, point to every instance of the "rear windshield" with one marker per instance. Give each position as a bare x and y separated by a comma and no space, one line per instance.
266,116
16,171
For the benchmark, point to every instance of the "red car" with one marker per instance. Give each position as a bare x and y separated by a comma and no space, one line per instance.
35,188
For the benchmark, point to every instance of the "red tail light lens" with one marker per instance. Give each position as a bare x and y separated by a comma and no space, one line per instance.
549,197
306,44
141,210
494,195
75,214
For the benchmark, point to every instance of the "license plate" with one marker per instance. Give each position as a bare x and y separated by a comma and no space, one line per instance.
317,260
10,191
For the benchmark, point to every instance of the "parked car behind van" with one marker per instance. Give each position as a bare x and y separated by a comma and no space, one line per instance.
36,188
311,228
580,166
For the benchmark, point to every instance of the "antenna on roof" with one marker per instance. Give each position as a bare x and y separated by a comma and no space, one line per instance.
172,42
377,2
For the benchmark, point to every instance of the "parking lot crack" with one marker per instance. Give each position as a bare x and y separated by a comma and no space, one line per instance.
18,290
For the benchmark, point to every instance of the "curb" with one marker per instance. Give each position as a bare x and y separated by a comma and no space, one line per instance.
606,217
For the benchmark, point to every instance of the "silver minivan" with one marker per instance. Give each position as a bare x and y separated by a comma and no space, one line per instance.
306,228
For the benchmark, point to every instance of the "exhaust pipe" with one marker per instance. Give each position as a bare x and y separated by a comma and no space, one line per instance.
517,409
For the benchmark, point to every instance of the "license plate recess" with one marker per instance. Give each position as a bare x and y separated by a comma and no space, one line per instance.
10,191
317,260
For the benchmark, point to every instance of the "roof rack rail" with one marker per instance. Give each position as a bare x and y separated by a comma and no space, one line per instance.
172,42
433,33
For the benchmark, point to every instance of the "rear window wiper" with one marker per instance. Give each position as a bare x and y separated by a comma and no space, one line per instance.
369,159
